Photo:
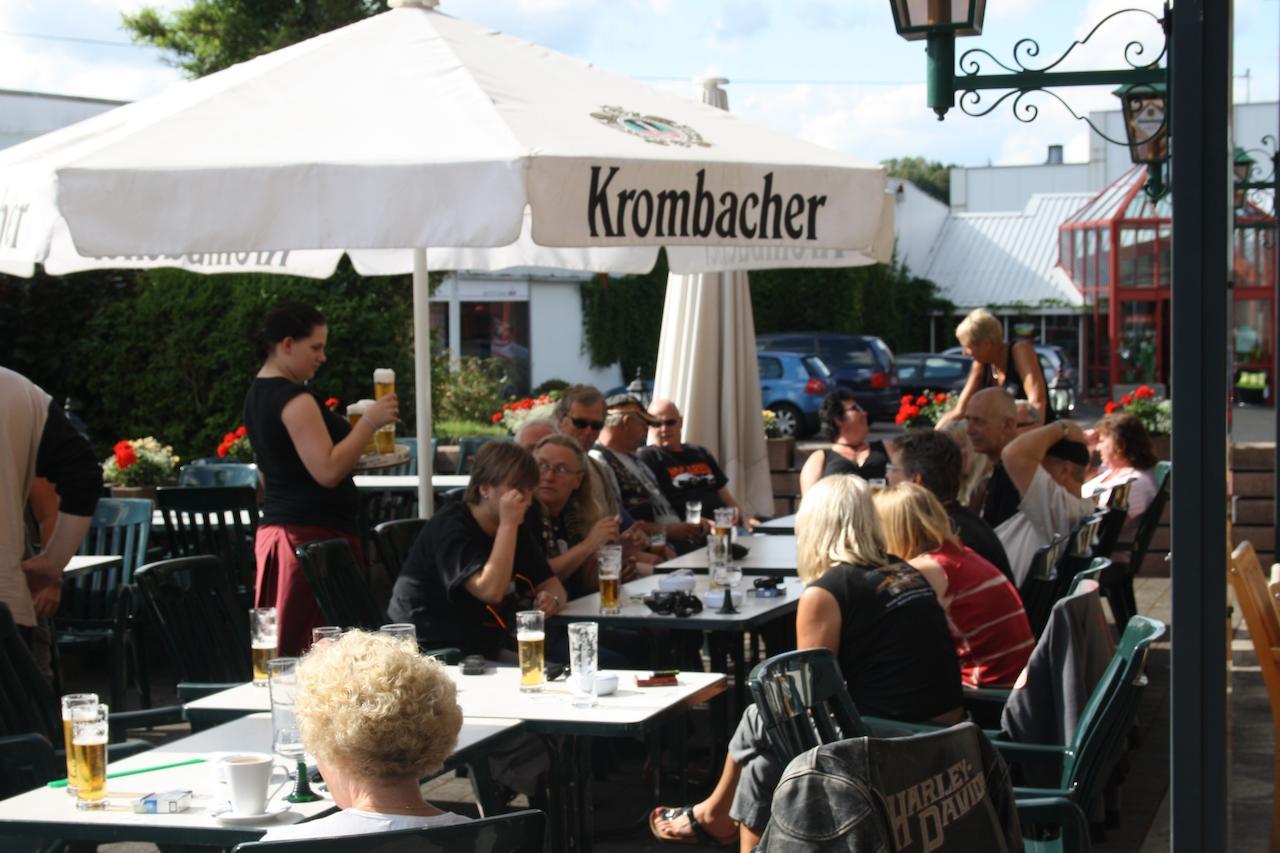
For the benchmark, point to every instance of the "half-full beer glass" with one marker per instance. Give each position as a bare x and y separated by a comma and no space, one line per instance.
263,640
70,703
89,740
530,645
384,383
609,563
355,412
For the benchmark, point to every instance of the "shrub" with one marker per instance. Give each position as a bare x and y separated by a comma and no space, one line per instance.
449,431
472,390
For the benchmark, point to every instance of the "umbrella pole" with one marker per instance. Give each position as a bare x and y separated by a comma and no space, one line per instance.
422,378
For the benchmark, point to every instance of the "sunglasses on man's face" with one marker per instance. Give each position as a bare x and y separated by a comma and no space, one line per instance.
851,409
665,422
583,423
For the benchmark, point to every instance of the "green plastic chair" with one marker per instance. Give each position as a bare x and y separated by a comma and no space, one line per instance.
1118,586
226,474
1040,588
339,584
394,540
99,607
803,702
469,446
217,520
1097,567
518,832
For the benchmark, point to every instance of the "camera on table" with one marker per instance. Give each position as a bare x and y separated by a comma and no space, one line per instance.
675,603
769,587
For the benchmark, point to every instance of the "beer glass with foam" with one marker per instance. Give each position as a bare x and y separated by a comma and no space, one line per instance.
89,741
355,412
263,640
384,383
70,703
530,644
609,568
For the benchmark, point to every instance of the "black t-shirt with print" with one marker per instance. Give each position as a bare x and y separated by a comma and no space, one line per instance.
431,591
691,474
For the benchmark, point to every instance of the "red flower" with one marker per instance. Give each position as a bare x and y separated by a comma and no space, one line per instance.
900,418
331,403
241,432
907,400
223,449
1143,393
1110,407
922,400
497,417
1126,399
124,454
911,411
939,398
229,438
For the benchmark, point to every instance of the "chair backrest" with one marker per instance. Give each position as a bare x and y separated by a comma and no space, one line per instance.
411,442
1274,589
204,623
27,702
1254,596
469,446
393,540
1113,519
1097,566
120,527
1080,542
1041,588
340,588
518,832
1150,518
217,520
1118,496
803,701
227,474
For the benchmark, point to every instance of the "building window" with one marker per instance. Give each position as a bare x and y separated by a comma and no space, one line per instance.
1137,351
498,330
1137,257
1252,334
1104,257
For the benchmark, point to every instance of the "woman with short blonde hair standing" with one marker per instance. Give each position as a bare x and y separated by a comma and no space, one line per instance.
999,364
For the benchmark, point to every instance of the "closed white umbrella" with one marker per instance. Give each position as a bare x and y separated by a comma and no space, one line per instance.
411,130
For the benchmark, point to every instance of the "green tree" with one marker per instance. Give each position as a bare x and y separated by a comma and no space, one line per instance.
210,35
929,175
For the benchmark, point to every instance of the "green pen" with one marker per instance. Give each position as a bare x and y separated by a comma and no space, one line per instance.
62,783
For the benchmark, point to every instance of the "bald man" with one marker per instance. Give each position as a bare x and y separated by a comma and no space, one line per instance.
685,472
992,422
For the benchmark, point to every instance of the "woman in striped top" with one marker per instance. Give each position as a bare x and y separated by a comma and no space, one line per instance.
984,613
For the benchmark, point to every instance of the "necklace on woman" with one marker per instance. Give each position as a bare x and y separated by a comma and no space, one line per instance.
859,446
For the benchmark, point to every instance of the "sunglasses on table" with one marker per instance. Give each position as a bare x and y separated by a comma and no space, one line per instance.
583,423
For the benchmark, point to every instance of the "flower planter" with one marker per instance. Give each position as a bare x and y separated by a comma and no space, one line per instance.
1160,443
782,453
148,492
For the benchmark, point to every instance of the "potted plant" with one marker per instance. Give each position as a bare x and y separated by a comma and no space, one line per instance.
1156,414
781,449
235,446
513,414
137,465
924,410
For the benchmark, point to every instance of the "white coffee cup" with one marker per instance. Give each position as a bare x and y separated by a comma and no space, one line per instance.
247,775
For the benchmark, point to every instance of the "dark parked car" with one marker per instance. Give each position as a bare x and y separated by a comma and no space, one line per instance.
792,386
862,364
926,371
1059,376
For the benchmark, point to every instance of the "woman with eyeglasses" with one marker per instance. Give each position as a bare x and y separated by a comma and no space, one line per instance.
572,530
845,425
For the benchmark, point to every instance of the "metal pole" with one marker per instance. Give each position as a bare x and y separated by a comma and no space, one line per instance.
422,378
1200,60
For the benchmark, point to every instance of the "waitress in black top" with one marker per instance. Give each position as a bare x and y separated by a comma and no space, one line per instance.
306,455
844,424
1013,367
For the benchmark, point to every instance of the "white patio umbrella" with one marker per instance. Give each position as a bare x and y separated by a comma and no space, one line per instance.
413,130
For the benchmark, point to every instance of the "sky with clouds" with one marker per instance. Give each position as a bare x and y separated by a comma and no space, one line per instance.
831,71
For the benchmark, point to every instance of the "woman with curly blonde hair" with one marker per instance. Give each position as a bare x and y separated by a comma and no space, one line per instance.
998,363
882,621
377,716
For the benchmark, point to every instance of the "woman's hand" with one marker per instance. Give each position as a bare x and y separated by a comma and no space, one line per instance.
386,410
513,505
602,532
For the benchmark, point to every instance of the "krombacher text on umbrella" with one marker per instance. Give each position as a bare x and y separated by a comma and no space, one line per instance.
766,215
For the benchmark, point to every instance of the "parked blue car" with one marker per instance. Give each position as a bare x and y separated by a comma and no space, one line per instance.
792,386
862,364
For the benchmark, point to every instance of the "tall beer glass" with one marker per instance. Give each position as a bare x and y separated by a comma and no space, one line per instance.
70,703
263,640
89,740
530,643
355,412
609,567
384,383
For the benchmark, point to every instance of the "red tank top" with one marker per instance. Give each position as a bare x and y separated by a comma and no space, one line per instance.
992,636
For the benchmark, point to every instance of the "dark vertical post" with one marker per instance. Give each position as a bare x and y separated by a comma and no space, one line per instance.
1200,59
941,52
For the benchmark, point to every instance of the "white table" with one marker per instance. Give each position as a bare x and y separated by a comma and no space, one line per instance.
631,711
48,813
767,555
82,563
784,524
408,482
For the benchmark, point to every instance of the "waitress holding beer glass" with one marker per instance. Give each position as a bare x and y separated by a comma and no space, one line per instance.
306,455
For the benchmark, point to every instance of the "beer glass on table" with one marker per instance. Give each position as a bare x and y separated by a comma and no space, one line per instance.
724,517
693,512
384,383
721,570
89,730
325,634
609,569
658,543
584,659
263,640
286,737
70,703
530,645
401,631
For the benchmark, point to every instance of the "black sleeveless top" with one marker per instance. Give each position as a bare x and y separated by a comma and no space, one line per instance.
872,469
292,494
1014,385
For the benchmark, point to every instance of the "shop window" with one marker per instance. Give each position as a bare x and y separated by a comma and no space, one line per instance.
439,320
1104,257
1252,333
499,330
1137,346
1137,257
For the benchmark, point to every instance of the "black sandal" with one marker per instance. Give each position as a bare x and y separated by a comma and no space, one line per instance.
701,835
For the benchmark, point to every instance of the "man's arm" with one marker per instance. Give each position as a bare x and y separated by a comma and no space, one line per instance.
65,459
1023,455
491,582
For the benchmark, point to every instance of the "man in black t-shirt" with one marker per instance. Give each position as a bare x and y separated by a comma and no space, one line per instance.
934,460
685,472
479,561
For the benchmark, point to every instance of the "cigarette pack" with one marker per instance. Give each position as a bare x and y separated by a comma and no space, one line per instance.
163,802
